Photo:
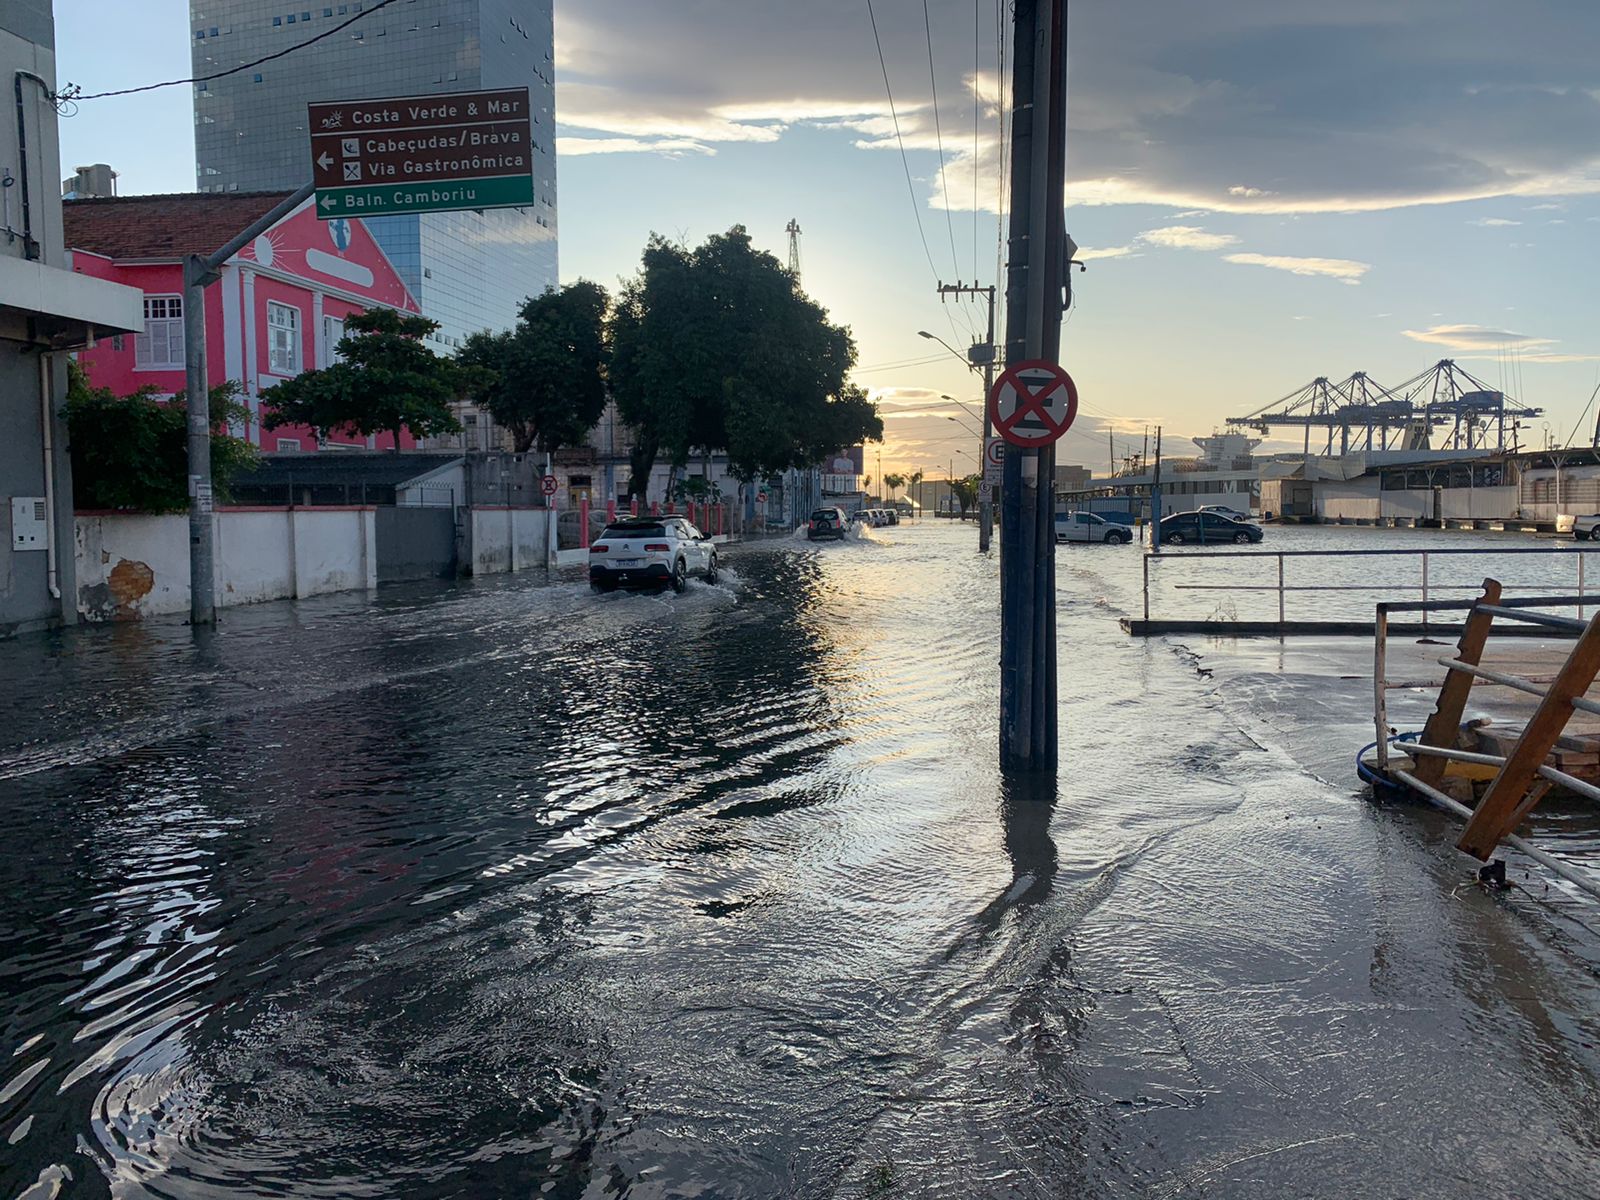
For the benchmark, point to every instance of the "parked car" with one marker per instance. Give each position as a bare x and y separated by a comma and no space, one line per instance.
1202,527
861,516
644,552
891,516
1586,527
1090,527
1233,514
826,523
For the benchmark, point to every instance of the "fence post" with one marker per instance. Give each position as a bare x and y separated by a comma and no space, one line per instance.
1380,685
1445,722
1146,587
1280,591
1425,592
583,523
611,512
1580,585
655,508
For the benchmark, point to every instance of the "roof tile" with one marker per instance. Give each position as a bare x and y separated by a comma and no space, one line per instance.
162,226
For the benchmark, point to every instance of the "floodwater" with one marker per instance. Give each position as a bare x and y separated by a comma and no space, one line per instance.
508,890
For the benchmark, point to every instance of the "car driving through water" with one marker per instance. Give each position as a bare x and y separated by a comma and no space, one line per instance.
826,523
650,552
1090,527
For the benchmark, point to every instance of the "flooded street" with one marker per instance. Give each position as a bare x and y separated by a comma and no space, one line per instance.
506,889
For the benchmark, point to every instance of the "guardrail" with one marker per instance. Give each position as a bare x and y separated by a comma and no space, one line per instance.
1282,586
1524,776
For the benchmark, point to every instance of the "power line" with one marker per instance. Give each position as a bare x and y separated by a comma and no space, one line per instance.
938,134
905,162
68,94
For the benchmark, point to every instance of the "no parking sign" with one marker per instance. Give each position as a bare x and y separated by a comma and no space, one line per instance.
1033,403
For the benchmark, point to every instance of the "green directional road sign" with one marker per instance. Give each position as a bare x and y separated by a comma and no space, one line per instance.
373,158
510,191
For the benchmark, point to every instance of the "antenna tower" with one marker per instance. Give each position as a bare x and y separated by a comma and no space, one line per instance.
794,247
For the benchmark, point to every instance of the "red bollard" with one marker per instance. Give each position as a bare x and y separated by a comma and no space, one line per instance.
611,512
655,508
633,506
583,524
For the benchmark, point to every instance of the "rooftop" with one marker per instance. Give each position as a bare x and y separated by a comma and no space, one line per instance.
166,226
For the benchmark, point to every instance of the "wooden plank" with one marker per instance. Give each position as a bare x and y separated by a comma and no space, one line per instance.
1507,800
1445,722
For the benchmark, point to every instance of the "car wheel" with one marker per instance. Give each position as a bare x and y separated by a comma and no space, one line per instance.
680,577
1241,538
596,586
1594,534
1115,539
1175,539
712,574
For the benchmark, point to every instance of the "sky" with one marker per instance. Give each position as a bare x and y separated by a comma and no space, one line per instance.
1264,191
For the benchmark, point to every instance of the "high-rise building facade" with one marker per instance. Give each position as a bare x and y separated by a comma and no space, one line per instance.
468,270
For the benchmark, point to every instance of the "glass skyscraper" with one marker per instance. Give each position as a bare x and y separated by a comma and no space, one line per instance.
468,270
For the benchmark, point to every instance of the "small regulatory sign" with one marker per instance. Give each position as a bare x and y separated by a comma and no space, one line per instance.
1033,403
549,485
422,153
994,461
761,497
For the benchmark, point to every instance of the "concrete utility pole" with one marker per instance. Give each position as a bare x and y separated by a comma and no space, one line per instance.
1036,283
199,273
984,355
1155,498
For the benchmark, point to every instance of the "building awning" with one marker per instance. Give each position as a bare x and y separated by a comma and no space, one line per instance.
63,309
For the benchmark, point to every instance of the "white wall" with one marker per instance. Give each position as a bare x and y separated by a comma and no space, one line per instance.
130,567
509,539
1360,500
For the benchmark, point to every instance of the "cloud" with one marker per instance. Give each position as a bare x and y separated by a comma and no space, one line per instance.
1473,337
1089,254
1187,237
1247,106
1493,222
671,147
1343,269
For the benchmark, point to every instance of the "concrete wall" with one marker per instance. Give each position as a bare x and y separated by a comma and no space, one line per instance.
1361,500
506,539
130,566
416,543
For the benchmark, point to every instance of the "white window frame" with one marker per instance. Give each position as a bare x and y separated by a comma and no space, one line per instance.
330,342
288,445
164,330
275,363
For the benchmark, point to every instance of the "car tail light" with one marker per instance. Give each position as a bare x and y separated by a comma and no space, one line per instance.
599,548
657,546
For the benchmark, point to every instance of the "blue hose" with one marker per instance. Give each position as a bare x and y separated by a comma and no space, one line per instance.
1366,774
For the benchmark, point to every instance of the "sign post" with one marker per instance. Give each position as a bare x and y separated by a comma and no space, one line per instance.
409,154
994,461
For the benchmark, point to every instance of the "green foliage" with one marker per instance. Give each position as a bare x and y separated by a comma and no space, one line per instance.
388,381
545,379
717,348
966,491
894,482
696,489
132,452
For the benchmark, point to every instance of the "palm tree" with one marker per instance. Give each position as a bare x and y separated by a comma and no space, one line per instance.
916,486
894,483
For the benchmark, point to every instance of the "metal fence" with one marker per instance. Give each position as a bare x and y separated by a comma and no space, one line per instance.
1291,582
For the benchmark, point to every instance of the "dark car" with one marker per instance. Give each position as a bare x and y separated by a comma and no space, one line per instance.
1202,527
826,523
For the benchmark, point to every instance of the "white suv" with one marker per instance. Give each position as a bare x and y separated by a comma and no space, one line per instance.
643,552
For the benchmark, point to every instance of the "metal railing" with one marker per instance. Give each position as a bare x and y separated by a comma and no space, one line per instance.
1425,584
1524,773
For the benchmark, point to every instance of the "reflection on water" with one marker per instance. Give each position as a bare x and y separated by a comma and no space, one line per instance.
507,888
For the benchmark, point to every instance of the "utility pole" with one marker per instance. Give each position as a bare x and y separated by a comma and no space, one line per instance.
984,355
1036,293
200,272
1155,498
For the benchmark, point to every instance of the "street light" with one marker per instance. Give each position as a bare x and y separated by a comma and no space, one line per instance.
923,333
964,425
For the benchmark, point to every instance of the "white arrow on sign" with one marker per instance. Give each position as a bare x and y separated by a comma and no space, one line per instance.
324,160
328,202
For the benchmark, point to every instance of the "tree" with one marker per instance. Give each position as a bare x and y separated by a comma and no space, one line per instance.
716,348
916,487
894,483
388,380
966,492
544,380
132,452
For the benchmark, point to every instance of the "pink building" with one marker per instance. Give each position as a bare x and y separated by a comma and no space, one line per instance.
278,309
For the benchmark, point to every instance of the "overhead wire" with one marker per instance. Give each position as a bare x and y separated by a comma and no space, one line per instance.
67,93
944,180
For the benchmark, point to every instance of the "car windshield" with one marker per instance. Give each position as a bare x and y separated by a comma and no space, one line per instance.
634,531
824,514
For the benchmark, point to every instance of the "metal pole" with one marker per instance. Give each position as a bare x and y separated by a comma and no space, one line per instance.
986,493
1035,283
1424,590
1380,686
1280,591
1155,499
